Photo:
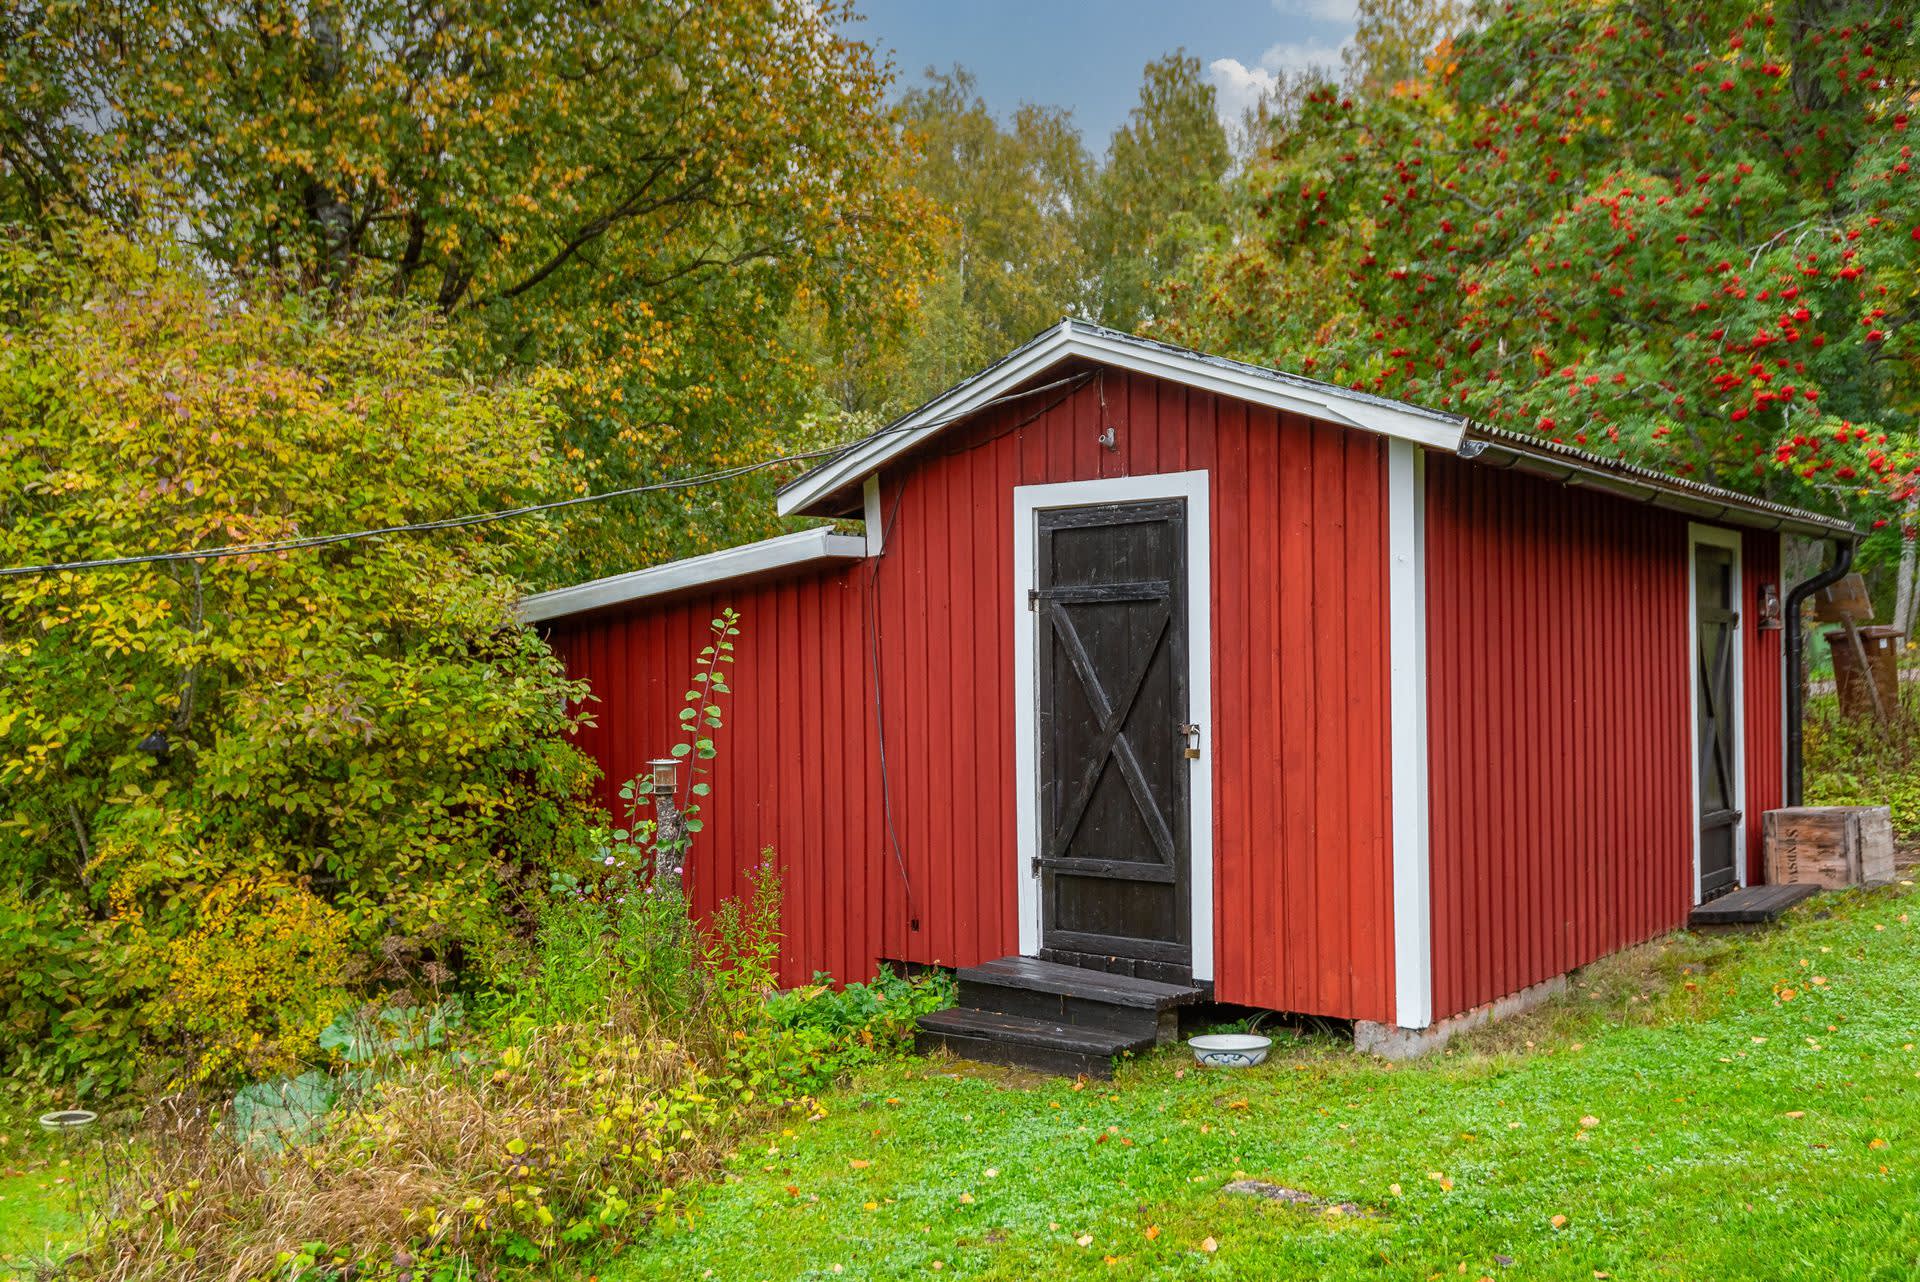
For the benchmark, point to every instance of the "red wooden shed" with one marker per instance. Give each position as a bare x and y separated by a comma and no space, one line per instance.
1154,675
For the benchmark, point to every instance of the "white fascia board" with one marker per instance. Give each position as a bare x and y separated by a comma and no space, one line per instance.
1248,383
874,453
788,550
1066,341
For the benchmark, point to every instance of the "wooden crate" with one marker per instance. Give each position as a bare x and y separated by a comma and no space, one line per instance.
1830,846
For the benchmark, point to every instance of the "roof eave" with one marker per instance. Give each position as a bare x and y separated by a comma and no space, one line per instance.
788,553
813,493
1700,501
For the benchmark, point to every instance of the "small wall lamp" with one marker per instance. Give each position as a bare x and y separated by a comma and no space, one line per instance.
1772,614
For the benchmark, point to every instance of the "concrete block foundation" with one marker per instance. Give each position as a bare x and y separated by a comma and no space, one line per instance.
1392,1042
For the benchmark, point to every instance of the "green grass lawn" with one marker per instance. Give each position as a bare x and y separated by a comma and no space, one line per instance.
1703,1108
36,1200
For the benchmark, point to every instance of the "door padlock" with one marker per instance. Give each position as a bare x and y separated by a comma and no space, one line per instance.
1192,731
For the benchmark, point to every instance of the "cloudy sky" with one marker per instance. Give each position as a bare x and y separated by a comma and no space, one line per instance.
1087,54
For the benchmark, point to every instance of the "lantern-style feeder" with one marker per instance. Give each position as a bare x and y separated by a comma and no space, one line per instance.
666,777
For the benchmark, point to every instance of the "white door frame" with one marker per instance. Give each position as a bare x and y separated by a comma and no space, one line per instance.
1028,502
1718,536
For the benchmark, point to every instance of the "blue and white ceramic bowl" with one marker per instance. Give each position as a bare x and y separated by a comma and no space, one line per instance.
1229,1050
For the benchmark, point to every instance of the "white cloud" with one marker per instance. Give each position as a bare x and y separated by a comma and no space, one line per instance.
1237,86
1298,57
1342,11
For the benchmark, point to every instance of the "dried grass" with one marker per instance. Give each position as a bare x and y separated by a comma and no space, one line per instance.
482,1158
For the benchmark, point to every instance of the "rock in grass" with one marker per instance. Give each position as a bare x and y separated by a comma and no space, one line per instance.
1294,1197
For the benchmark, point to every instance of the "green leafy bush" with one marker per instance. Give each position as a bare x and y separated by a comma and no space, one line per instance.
356,769
827,1032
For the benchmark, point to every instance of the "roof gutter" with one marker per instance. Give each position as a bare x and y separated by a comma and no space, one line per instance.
1796,644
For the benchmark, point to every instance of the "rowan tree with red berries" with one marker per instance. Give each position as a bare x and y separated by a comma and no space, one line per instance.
1688,236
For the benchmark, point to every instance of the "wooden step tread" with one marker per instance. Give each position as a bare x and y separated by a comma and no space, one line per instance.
1750,905
1038,976
963,1021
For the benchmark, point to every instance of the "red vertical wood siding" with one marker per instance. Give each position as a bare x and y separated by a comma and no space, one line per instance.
1559,728
808,795
1303,870
1763,655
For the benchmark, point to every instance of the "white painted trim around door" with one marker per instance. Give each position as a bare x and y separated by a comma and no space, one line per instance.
1028,502
1718,536
1407,663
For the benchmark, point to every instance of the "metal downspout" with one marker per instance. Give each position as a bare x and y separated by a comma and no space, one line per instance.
1796,643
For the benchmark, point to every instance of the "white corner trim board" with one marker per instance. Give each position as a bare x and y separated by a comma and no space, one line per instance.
1071,340
1718,536
1028,502
874,514
786,551
1407,691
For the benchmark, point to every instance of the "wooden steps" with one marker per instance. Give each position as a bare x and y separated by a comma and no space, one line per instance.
1057,1019
1750,905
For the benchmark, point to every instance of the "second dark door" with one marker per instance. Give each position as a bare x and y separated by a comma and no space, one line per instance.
1716,631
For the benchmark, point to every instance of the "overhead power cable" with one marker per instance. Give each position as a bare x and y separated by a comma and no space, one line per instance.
270,546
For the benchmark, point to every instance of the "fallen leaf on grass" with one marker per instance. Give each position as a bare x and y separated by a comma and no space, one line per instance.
1558,1221
1878,1143
1152,1231
1085,1239
1589,1121
1208,1245
859,1163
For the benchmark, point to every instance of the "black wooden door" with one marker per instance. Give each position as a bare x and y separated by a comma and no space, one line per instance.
1716,629
1110,602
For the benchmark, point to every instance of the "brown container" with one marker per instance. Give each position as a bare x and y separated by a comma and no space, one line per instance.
1882,647
1831,846
1843,599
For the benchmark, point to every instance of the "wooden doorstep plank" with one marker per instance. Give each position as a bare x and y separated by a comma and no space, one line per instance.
1751,906
1073,981
993,1026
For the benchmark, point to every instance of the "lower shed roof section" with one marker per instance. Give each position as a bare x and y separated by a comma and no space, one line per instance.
788,554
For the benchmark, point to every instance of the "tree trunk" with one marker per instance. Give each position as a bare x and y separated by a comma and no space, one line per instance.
1906,590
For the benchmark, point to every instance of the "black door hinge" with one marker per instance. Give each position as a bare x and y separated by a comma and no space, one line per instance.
1033,598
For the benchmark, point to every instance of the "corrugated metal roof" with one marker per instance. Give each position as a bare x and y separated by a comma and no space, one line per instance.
1682,493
